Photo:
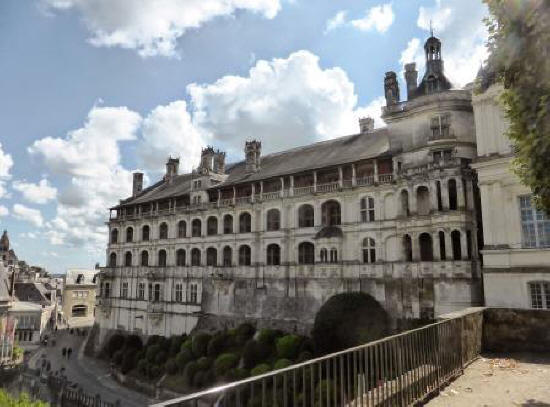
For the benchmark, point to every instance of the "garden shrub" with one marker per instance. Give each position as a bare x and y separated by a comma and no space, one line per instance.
224,362
307,345
152,352
288,346
175,344
161,357
246,330
189,372
129,361
117,357
199,379
347,320
143,367
187,344
303,356
184,357
237,373
152,340
204,363
255,352
282,363
171,366
267,336
155,372
216,345
260,369
133,342
115,343
200,344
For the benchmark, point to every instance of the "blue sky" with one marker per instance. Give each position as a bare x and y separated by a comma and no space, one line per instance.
94,89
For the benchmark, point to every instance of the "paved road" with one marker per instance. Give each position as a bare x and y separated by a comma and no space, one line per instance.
91,374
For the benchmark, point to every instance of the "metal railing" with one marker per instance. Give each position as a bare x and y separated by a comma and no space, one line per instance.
399,370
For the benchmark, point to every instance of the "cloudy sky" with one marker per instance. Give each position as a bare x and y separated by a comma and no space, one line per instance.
95,89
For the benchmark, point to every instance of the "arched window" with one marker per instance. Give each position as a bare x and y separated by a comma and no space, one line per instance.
128,259
452,195
227,224
333,255
469,243
367,209
273,219
442,250
407,248
195,257
129,234
369,250
245,222
112,260
426,247
244,255
114,236
212,226
196,227
145,233
273,255
180,257
227,256
306,217
162,258
323,254
405,202
144,258
457,248
331,213
182,228
163,231
79,311
423,200
211,256
306,253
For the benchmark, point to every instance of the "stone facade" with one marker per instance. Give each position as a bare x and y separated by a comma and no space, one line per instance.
79,294
516,253
390,212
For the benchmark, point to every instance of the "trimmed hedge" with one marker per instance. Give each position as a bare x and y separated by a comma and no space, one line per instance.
200,344
282,363
224,362
260,369
288,346
216,345
171,366
255,352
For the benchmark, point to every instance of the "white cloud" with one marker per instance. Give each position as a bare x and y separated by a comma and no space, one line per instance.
28,235
4,211
90,158
36,193
459,25
168,130
379,18
374,110
152,27
283,102
336,21
6,163
27,214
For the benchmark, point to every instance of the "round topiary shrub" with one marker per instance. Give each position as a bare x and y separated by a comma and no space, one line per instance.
303,356
347,320
282,363
268,336
117,357
260,369
237,373
161,357
153,339
155,372
129,361
187,344
189,372
171,366
143,367
152,352
244,332
288,346
204,363
175,344
184,357
216,345
255,352
133,342
200,344
224,362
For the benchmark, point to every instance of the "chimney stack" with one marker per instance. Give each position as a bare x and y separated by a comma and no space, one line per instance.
366,125
391,88
137,183
252,151
172,166
411,77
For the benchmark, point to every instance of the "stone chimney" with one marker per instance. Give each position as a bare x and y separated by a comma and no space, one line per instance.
391,88
172,166
366,125
137,183
219,162
411,77
252,152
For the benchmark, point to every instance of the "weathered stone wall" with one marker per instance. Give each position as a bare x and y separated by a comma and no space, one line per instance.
516,330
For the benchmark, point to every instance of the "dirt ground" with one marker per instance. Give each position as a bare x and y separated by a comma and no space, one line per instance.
500,381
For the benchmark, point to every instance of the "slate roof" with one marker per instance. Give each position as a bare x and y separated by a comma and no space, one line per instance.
30,292
314,156
87,277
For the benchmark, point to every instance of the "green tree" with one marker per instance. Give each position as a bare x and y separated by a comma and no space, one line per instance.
519,57
22,400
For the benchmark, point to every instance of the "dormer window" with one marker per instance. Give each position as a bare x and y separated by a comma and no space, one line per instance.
439,126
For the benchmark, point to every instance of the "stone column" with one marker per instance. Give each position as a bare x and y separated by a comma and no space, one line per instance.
448,245
353,175
459,194
282,187
415,247
375,170
253,193
433,197
340,177
314,181
445,194
291,190
435,246
219,197
234,195
463,245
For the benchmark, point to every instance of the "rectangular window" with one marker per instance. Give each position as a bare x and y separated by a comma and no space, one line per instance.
141,291
193,294
179,297
156,295
107,290
540,294
124,291
535,224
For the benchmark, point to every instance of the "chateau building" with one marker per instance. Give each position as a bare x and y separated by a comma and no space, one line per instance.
516,254
391,212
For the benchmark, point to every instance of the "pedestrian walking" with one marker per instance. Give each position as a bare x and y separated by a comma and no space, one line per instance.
64,351
69,351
